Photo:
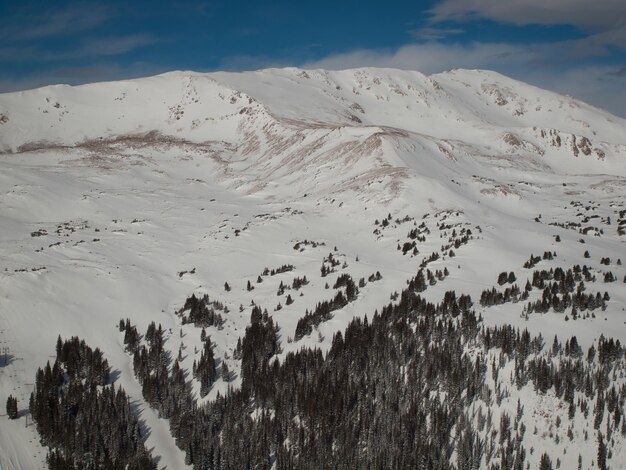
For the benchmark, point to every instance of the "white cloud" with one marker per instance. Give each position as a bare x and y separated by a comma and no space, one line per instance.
252,62
584,13
603,20
429,57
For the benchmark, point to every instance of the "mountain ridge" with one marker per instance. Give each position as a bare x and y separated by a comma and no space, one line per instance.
289,123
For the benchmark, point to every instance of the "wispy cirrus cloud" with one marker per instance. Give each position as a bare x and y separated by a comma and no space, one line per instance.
85,48
618,73
601,14
434,34
603,21
78,17
103,46
74,31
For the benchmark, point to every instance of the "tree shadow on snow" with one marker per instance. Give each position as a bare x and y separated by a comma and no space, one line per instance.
136,409
114,375
6,360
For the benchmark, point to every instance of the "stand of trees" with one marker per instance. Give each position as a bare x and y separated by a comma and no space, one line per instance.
86,422
202,311
406,388
374,400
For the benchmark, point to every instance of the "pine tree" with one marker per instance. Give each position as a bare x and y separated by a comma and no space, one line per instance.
205,368
12,407
225,372
226,287
59,347
545,463
601,452
351,290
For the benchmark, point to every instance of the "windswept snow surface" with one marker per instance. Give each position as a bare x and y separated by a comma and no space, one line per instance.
109,192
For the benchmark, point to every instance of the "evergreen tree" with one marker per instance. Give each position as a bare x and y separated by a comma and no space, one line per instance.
225,372
545,463
12,407
205,368
601,452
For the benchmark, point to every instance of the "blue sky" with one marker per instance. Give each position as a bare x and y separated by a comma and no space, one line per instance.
571,46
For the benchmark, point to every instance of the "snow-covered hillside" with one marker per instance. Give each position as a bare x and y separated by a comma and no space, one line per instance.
120,200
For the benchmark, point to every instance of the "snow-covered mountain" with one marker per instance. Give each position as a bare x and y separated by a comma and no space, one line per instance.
121,199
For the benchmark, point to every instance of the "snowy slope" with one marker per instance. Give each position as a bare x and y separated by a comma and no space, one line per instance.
128,184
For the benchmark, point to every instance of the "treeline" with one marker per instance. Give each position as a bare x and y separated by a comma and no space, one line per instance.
86,422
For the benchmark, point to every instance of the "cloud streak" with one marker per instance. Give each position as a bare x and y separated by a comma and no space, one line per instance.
102,47
604,21
74,18
87,48
429,57
434,34
583,13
